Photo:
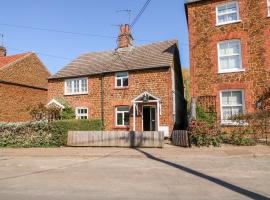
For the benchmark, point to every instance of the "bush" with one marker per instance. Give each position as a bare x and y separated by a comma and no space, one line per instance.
61,128
242,136
205,134
42,133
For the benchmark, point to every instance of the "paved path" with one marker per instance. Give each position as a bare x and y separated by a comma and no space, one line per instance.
119,173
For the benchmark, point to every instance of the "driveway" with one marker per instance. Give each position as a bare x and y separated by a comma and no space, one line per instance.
122,173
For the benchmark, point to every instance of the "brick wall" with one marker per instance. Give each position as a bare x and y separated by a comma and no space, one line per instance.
253,30
158,82
15,101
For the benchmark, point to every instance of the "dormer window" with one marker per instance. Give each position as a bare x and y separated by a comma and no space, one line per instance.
227,13
76,86
121,80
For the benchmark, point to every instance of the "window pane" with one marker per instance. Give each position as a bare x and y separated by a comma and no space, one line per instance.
222,9
76,86
236,98
126,118
224,63
237,110
226,113
123,108
119,82
233,62
233,47
225,98
231,7
119,119
84,85
232,17
69,87
125,82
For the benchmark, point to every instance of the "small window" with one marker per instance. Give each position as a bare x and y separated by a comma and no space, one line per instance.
76,86
227,13
121,79
81,113
122,116
232,103
229,56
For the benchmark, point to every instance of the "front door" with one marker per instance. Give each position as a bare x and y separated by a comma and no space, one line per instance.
149,118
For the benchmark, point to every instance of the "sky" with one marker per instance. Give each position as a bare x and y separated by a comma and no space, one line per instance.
93,19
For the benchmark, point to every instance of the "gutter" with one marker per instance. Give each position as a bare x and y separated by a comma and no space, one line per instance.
23,85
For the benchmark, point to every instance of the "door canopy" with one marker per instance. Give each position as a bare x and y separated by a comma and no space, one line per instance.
145,97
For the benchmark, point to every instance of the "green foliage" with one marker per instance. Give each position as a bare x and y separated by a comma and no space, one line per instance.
210,118
203,133
68,112
42,133
61,128
242,136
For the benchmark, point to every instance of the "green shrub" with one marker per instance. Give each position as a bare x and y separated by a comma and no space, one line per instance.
242,137
59,129
205,134
42,133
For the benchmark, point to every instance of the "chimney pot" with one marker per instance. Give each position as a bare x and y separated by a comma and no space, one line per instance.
125,38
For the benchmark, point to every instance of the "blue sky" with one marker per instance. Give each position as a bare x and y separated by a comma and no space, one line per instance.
162,20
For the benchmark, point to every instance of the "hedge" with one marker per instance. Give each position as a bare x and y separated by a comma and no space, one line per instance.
42,133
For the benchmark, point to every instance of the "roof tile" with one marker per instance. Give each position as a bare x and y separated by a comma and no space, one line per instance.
159,54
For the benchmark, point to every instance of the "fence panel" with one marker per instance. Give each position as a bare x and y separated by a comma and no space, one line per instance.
116,139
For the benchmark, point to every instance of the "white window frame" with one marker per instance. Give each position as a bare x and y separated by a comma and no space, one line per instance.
240,69
123,116
121,78
228,22
231,122
81,115
268,7
73,84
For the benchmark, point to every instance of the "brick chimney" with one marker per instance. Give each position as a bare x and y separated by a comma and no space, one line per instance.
3,51
125,38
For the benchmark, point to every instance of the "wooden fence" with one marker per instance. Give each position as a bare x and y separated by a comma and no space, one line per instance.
115,139
180,138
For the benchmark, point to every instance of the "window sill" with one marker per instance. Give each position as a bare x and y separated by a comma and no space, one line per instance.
233,123
227,23
231,71
77,94
121,88
121,127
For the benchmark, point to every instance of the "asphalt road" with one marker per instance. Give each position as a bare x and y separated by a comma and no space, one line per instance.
119,173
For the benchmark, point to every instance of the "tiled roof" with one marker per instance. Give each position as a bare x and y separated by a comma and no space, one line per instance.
4,61
192,1
159,54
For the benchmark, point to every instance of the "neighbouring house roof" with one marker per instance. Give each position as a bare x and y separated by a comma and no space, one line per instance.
155,55
6,60
24,70
192,1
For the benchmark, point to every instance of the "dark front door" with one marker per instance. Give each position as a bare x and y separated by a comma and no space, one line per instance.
149,118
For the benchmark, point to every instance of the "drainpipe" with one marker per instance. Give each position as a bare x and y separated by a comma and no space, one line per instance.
102,99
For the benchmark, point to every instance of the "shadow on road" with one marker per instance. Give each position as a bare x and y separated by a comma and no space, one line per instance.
242,191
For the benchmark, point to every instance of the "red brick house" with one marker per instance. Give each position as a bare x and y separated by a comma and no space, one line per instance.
229,54
23,83
131,88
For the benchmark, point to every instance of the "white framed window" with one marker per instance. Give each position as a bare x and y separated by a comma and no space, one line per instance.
122,115
232,104
229,56
81,113
76,86
227,13
268,7
121,79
